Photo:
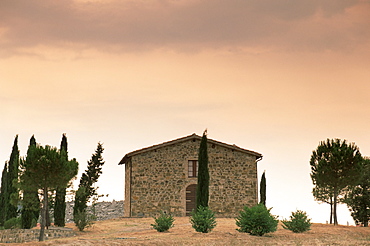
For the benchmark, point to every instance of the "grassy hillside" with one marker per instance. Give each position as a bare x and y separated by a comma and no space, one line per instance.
131,231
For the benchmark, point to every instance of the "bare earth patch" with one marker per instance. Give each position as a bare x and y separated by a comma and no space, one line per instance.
137,231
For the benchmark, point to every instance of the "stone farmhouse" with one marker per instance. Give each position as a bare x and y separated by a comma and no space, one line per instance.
163,177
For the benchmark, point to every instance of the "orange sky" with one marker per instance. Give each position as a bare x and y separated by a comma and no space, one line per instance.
276,77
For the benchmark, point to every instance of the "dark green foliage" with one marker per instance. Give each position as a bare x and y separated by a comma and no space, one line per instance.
13,223
80,200
86,188
31,209
60,195
358,198
3,194
30,202
203,219
164,222
299,222
46,168
256,220
26,219
12,176
263,189
83,220
60,207
335,166
202,194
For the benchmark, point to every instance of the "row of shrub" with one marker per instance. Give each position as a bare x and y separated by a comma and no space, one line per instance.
256,220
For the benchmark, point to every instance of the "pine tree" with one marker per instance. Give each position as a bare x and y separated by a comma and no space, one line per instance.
202,194
13,164
358,198
60,197
3,194
263,189
335,166
86,188
31,202
46,168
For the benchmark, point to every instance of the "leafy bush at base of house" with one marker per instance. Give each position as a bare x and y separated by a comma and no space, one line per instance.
13,223
203,220
164,222
83,220
299,222
256,220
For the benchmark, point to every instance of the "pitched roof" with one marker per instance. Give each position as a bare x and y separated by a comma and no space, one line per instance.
183,139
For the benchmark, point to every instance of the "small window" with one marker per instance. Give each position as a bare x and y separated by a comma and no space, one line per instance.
192,168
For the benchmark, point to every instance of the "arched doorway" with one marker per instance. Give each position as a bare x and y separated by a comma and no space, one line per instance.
190,198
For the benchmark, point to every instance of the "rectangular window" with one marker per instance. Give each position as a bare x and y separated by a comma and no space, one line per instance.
192,168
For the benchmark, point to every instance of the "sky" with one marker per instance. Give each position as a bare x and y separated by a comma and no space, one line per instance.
272,76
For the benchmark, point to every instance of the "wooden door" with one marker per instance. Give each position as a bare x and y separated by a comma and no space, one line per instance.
190,198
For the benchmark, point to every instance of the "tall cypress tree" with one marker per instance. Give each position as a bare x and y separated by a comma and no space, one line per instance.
60,197
31,202
3,194
11,210
86,188
263,189
202,194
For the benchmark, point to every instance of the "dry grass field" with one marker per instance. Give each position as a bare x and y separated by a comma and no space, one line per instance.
137,231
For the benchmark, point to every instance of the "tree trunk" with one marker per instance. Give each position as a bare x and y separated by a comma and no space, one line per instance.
43,215
335,207
331,210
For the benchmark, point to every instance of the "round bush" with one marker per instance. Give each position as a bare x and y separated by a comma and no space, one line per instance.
164,222
203,219
256,220
299,222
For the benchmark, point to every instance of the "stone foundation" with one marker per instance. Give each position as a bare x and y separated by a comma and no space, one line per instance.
31,235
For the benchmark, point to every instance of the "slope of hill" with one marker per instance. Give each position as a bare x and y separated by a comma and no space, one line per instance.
137,231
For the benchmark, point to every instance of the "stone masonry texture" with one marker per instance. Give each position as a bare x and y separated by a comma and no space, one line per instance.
156,179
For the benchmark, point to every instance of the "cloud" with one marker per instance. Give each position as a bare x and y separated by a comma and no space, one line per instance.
182,25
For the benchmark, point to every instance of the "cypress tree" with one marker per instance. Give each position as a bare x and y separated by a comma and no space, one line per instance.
3,193
202,194
86,188
31,202
13,164
263,189
60,197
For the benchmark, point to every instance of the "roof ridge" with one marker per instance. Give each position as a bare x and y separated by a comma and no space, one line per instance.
181,139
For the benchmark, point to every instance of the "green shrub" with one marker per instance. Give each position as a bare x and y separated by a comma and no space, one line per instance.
203,220
83,219
164,222
13,223
299,222
256,220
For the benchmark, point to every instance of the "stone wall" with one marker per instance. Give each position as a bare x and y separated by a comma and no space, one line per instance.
30,235
159,178
103,210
